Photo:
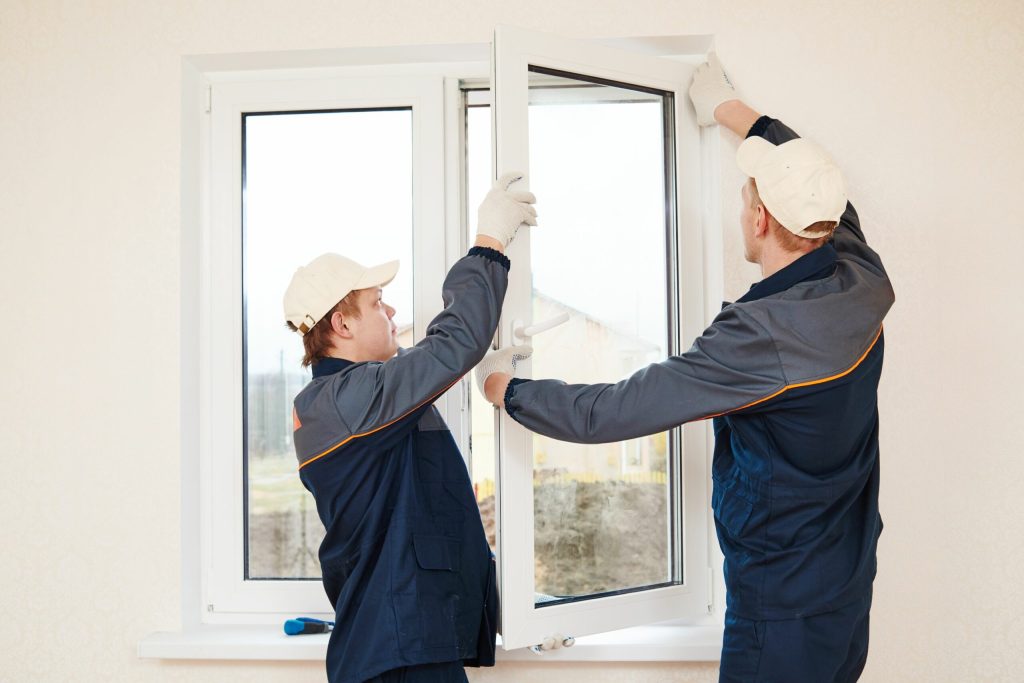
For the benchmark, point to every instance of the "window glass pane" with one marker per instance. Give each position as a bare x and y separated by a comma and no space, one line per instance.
597,165
338,181
602,513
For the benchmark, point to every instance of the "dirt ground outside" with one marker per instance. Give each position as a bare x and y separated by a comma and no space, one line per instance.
590,538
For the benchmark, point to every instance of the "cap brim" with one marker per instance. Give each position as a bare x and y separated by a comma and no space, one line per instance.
378,276
750,154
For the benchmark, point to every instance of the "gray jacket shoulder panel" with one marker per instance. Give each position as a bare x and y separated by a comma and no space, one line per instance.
822,328
362,395
321,423
852,248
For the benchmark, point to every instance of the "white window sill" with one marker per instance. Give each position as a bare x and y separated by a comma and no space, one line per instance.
641,644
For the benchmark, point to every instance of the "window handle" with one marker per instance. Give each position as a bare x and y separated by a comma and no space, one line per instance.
526,332
554,642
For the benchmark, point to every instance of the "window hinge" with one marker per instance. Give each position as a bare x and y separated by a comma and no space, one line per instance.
208,105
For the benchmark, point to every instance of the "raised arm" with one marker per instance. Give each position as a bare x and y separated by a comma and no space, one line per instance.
716,101
372,395
736,116
456,340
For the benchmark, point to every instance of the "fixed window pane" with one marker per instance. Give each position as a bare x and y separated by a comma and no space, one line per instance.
313,182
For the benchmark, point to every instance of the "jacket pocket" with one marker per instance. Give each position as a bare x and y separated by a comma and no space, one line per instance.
438,553
426,608
732,510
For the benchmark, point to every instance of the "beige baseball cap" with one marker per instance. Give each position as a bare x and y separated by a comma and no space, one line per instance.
318,286
798,182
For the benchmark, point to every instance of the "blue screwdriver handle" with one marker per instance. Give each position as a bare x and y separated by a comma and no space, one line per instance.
306,625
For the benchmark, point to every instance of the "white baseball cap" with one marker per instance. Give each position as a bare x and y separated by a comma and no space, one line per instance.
317,287
798,182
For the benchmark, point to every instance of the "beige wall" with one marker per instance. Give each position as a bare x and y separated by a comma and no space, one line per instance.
920,101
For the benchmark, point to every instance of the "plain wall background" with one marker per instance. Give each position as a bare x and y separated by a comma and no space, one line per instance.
919,101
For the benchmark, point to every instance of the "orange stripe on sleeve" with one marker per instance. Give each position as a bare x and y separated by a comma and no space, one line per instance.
803,384
384,426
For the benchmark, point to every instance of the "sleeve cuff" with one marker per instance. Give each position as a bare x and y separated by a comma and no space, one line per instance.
760,127
509,390
491,255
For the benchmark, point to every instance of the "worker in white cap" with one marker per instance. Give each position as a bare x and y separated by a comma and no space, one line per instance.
789,374
405,560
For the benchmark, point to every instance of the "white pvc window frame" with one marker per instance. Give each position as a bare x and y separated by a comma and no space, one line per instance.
217,89
228,596
523,622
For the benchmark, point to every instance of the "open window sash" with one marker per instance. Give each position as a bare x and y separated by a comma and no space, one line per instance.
539,606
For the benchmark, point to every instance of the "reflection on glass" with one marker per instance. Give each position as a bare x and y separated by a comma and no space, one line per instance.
314,182
597,165
597,162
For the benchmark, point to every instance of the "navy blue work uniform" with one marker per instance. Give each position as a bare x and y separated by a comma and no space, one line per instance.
790,375
405,560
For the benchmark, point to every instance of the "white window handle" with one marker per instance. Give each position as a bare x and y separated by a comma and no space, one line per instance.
526,332
554,642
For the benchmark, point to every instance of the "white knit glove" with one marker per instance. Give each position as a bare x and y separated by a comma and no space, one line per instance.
709,89
503,211
503,360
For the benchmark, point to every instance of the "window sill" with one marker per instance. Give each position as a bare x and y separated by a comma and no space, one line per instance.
641,644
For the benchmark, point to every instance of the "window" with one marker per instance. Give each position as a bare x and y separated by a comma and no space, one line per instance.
603,521
606,541
297,168
388,161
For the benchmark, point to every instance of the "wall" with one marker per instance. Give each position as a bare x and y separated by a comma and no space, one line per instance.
920,102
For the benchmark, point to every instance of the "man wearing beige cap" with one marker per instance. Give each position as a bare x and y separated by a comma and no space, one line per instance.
789,373
405,561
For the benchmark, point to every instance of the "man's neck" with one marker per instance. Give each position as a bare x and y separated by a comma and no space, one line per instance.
774,260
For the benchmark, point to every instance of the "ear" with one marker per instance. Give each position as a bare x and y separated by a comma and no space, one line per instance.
761,221
340,326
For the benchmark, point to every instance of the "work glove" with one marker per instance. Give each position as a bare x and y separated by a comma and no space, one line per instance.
503,360
710,87
503,211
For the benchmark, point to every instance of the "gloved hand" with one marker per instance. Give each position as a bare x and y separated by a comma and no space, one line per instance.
503,360
503,211
710,87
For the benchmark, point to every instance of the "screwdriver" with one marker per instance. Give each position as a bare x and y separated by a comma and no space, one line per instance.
304,625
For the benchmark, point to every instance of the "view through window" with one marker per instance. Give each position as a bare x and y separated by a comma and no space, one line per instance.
342,181
603,513
332,181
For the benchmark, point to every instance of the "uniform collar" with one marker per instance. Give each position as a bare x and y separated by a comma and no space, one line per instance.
329,366
812,266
